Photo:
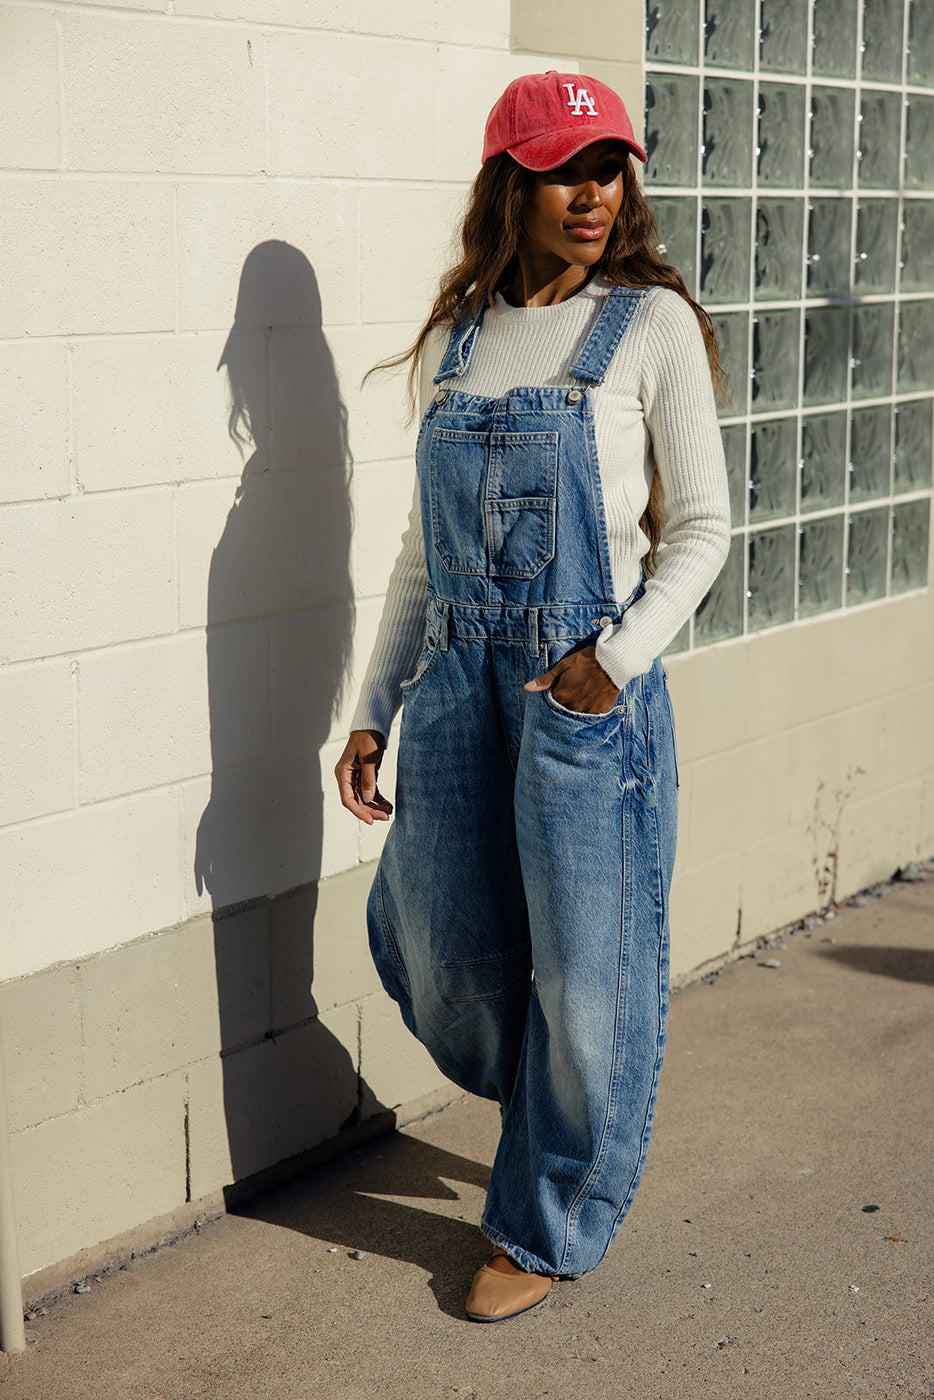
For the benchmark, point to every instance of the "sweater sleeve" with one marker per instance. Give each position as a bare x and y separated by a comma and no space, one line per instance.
681,418
402,623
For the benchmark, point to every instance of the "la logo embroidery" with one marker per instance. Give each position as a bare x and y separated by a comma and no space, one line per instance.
578,100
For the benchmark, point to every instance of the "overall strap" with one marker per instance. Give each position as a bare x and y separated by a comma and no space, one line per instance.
460,344
609,328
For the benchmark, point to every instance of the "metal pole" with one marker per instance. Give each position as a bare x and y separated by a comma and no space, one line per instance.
12,1332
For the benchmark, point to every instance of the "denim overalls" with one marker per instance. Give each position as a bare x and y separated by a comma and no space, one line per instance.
519,915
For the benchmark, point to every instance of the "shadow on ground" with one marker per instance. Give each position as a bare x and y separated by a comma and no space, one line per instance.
906,964
328,1207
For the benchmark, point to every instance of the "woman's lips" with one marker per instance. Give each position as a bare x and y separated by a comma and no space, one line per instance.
585,232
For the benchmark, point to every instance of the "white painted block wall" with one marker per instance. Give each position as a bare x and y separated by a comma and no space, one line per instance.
176,606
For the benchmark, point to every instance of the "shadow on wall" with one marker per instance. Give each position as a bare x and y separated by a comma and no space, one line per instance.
280,626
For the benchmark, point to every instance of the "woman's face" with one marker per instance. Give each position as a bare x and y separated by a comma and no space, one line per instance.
570,211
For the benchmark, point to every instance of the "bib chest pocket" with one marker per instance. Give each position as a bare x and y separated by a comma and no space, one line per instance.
457,467
493,501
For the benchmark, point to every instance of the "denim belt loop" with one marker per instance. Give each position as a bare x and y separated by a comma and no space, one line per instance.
444,631
534,646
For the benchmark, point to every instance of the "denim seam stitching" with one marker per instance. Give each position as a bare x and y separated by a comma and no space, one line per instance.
618,1046
599,508
512,752
553,605
515,951
394,950
659,1044
671,723
488,996
648,744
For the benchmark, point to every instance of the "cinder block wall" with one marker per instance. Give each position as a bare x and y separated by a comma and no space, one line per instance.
216,216
807,771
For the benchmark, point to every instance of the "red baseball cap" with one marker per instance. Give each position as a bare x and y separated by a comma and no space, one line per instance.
542,119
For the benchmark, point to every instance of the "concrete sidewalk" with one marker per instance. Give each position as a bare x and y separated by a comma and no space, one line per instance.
780,1245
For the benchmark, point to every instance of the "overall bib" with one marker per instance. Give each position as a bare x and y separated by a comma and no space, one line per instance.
519,915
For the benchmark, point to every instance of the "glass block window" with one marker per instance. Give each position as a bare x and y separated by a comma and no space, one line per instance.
791,171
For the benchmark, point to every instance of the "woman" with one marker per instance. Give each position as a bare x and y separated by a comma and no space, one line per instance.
519,915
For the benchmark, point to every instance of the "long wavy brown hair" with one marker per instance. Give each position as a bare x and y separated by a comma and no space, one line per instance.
490,237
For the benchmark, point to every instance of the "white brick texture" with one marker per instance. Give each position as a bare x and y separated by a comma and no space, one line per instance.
41,1020
302,14
407,236
34,420
374,110
382,494
264,254
29,92
377,410
76,883
84,257
609,33
705,905
150,95
86,571
270,1101
155,409
144,5
395,1067
264,827
37,741
148,1009
84,1177
484,25
308,671
159,711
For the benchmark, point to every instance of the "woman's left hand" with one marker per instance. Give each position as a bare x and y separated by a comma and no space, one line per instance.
579,682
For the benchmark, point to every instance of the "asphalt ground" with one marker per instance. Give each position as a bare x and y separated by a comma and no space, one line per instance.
780,1245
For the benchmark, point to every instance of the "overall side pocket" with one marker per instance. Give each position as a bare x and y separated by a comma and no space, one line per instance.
425,662
618,708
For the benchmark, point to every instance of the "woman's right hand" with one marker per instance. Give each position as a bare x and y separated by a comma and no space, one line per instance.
356,771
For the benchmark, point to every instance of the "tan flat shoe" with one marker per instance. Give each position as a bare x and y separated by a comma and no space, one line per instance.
504,1290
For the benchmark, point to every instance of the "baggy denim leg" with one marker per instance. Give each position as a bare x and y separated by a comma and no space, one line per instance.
596,821
447,915
577,850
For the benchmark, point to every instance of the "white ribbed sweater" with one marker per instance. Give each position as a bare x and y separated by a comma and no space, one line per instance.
656,406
